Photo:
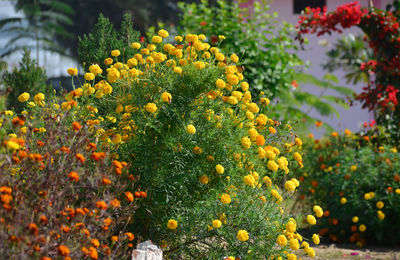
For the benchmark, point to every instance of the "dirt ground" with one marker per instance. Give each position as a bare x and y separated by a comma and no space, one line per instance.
333,252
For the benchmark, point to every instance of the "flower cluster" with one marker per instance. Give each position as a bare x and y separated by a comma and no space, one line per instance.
60,194
356,181
181,114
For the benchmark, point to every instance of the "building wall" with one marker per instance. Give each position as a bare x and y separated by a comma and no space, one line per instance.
315,53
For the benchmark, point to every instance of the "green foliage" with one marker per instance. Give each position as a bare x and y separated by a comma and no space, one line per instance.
28,77
348,54
95,47
145,121
339,172
266,50
44,20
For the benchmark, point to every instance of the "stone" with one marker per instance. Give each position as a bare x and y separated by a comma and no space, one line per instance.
147,251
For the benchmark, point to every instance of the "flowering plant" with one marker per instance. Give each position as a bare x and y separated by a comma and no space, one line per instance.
60,194
382,34
354,178
181,114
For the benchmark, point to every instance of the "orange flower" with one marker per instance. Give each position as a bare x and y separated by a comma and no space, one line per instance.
115,203
93,253
43,219
101,205
129,196
389,189
323,231
45,258
107,221
76,126
326,213
33,228
80,157
63,250
22,154
95,242
130,236
73,176
6,198
91,146
98,156
18,121
114,238
354,228
143,194
65,229
40,143
106,181
65,149
318,123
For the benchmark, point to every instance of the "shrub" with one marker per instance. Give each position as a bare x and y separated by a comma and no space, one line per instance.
187,124
61,195
355,179
29,77
95,47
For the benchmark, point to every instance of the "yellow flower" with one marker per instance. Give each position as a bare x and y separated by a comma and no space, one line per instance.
203,179
249,180
242,235
191,129
318,211
166,97
216,223
178,38
291,226
163,33
151,107
315,239
178,70
219,168
156,39
343,200
298,141
220,83
232,100
72,71
354,219
113,75
291,257
11,145
310,252
297,157
23,97
89,76
311,220
290,185
172,224
381,215
225,198
267,181
380,204
234,58
294,244
272,165
136,45
397,191
362,228
219,56
281,240
38,98
246,143
199,64
353,168
232,79
115,53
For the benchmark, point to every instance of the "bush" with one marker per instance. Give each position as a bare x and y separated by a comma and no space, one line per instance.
60,195
187,124
95,47
355,179
29,77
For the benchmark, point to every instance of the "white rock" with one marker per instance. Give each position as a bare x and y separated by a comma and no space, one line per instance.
147,251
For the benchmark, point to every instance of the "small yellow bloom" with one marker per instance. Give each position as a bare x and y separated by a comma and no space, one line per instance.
315,239
216,223
290,185
281,240
136,45
172,224
380,204
23,97
219,168
354,219
191,129
225,198
89,76
311,220
72,71
242,235
151,107
163,33
362,228
343,200
115,53
166,97
156,39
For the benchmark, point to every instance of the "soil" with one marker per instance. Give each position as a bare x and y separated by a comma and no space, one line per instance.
334,252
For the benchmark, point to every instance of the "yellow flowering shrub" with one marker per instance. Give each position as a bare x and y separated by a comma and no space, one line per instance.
355,178
207,153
